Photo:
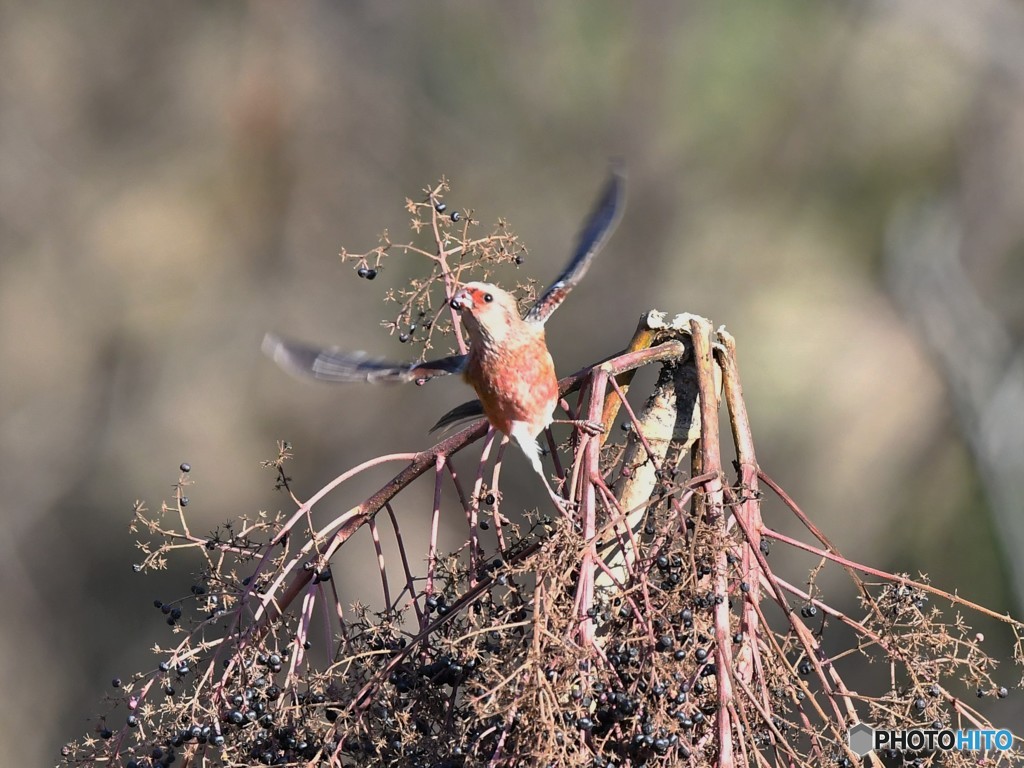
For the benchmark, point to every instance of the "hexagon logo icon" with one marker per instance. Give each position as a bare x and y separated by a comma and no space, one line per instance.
861,738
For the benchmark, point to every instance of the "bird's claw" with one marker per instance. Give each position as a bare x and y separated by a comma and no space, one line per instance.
592,428
588,427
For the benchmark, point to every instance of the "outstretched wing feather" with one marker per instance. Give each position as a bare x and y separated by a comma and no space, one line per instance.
335,364
598,228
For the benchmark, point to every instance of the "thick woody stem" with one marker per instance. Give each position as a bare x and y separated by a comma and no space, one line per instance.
747,507
588,568
711,461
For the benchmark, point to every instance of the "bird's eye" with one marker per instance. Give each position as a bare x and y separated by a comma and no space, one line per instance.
488,297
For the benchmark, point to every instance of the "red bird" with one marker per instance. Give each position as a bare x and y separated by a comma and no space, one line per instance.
508,363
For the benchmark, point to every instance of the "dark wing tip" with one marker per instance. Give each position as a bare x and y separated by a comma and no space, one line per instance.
473,409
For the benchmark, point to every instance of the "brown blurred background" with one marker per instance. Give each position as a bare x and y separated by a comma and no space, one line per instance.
839,183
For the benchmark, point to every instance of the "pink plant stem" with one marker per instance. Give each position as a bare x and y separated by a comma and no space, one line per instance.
711,461
473,512
591,450
892,577
305,618
464,501
336,602
499,530
435,522
610,500
410,581
634,421
807,641
381,566
553,450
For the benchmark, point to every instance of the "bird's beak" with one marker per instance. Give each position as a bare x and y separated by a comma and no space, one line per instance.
461,300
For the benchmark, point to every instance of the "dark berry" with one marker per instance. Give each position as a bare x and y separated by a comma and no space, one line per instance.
440,207
1002,693
371,273
456,216
133,721
106,733
184,501
363,271
804,667
116,682
185,467
403,337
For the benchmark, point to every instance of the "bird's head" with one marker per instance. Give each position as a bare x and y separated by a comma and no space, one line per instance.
488,312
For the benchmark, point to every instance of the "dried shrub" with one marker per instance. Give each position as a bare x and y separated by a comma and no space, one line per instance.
644,624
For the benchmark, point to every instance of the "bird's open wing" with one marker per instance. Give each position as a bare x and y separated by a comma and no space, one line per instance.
333,364
474,409
596,231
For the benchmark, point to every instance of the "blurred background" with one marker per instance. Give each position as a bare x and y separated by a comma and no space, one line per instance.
841,184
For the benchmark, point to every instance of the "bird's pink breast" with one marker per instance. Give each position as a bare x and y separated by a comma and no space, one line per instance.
515,382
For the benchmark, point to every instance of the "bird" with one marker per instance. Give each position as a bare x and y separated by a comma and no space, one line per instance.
508,363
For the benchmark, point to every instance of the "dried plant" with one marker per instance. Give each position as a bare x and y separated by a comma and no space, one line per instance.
645,624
